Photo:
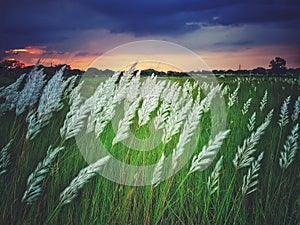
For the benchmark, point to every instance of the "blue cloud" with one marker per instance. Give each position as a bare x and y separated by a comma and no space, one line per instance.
33,22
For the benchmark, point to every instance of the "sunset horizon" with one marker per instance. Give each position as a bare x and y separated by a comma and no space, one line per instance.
246,59
225,34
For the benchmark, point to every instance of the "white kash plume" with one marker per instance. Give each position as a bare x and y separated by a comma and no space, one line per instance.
175,121
189,127
36,178
70,84
243,157
264,101
133,90
169,95
102,105
296,110
147,86
206,102
246,106
50,102
177,100
233,96
75,118
162,115
5,158
284,113
178,112
80,180
212,183
291,147
158,171
251,122
208,153
188,87
205,86
225,90
124,124
31,92
250,180
269,116
5,91
10,94
121,90
150,93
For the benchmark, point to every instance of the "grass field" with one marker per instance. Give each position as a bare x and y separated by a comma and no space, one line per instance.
260,192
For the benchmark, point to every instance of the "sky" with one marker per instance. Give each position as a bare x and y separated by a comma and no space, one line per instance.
224,33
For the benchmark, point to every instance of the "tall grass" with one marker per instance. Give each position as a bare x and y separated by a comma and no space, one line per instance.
249,175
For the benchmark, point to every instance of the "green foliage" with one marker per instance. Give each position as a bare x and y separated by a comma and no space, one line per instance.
212,196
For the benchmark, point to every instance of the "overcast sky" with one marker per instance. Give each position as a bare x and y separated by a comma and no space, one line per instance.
224,33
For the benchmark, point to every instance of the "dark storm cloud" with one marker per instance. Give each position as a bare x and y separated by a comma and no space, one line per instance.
236,43
34,22
87,54
170,17
39,22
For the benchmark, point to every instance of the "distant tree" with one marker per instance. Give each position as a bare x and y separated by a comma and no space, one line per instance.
148,72
177,74
68,67
11,63
230,72
259,70
278,65
206,72
4,64
218,72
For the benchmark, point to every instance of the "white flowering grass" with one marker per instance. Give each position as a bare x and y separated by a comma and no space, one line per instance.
175,121
87,173
251,122
244,155
102,105
246,106
158,171
71,81
10,95
162,115
169,96
250,181
201,198
207,155
263,101
75,118
206,102
284,113
12,88
233,97
291,147
213,180
296,110
49,103
5,158
124,83
189,127
124,124
31,92
150,101
36,178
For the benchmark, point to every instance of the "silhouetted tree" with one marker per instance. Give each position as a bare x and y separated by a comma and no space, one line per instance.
278,66
11,63
259,70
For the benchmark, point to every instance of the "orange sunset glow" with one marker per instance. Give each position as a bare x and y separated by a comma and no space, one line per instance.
225,35
247,58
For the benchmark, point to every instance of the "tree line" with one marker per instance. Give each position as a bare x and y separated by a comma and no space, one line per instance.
277,67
